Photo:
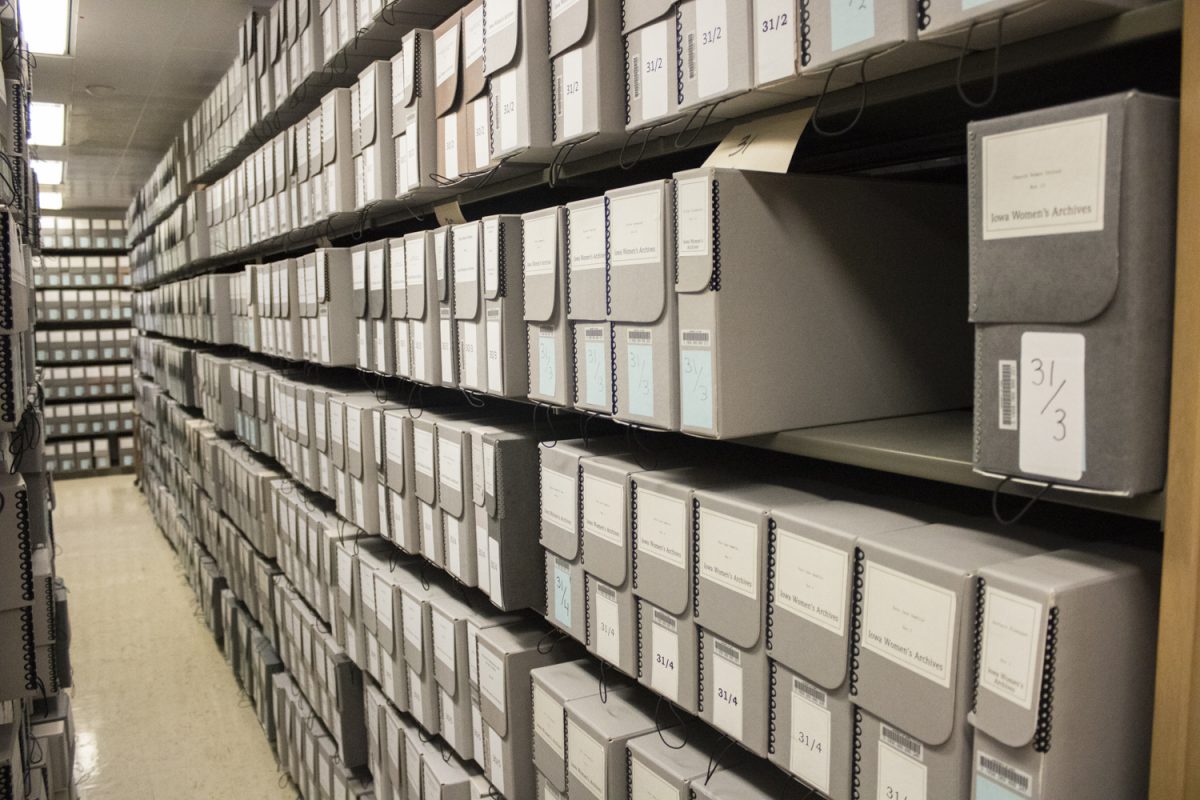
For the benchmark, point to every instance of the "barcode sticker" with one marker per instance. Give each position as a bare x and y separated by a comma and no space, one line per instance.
902,742
1008,395
1004,774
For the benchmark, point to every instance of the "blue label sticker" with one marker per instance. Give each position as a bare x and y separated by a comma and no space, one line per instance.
547,373
850,22
988,790
641,379
696,388
562,594
596,379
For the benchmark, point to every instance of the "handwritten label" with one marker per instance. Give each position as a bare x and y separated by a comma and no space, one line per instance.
774,40
727,689
664,670
1052,415
608,625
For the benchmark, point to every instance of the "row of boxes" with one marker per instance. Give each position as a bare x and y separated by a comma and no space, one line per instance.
182,237
472,94
172,367
64,383
197,308
162,190
81,233
51,271
99,344
87,455
84,305
88,418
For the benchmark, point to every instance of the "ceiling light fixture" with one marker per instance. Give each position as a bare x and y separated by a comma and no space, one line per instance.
49,172
100,90
47,26
50,201
47,124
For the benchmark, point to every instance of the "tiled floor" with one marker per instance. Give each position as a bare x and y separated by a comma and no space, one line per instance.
158,713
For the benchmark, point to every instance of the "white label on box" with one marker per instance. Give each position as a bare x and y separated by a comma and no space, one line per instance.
1011,628
491,255
557,7
418,347
604,509
411,149
547,362
1045,180
774,40
1007,398
637,229
1052,416
910,622
446,705
572,92
497,585
664,671
657,66
500,15
450,528
466,254
412,766
496,759
548,719
727,689
383,603
491,678
729,552
586,759
479,129
489,468
507,93
712,30
445,53
587,237
810,580
450,144
473,36
448,355
662,527
560,503
899,775
809,748
646,784
562,592
495,374
413,618
850,22
608,625
482,577
428,545
423,450
990,768
443,639
540,243
477,729
450,463
692,199
394,437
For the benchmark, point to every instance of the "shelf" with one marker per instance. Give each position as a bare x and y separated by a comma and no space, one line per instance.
83,251
81,324
98,398
86,362
936,447
69,437
859,151
94,473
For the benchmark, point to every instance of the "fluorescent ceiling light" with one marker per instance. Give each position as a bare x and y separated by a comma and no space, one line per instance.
47,26
49,173
50,201
47,124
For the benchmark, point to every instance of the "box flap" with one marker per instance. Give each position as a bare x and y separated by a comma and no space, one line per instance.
637,252
377,284
452,455
540,242
1046,254
441,254
406,72
358,272
474,80
447,64
414,270
639,13
397,279
568,24
586,253
694,229
394,442
502,34
466,245
370,82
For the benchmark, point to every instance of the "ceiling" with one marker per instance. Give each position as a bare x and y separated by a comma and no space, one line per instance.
163,58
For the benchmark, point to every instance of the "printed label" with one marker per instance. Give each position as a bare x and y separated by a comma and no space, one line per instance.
450,463
608,625
604,509
811,580
450,530
473,36
445,55
572,92
809,756
412,616
899,775
1011,644
586,759
423,450
664,671
991,770
496,759
910,622
507,95
548,720
1045,180
587,237
540,238
662,527
656,66
692,198
1007,400
727,689
729,552
712,32
491,678
560,502
637,229
646,784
